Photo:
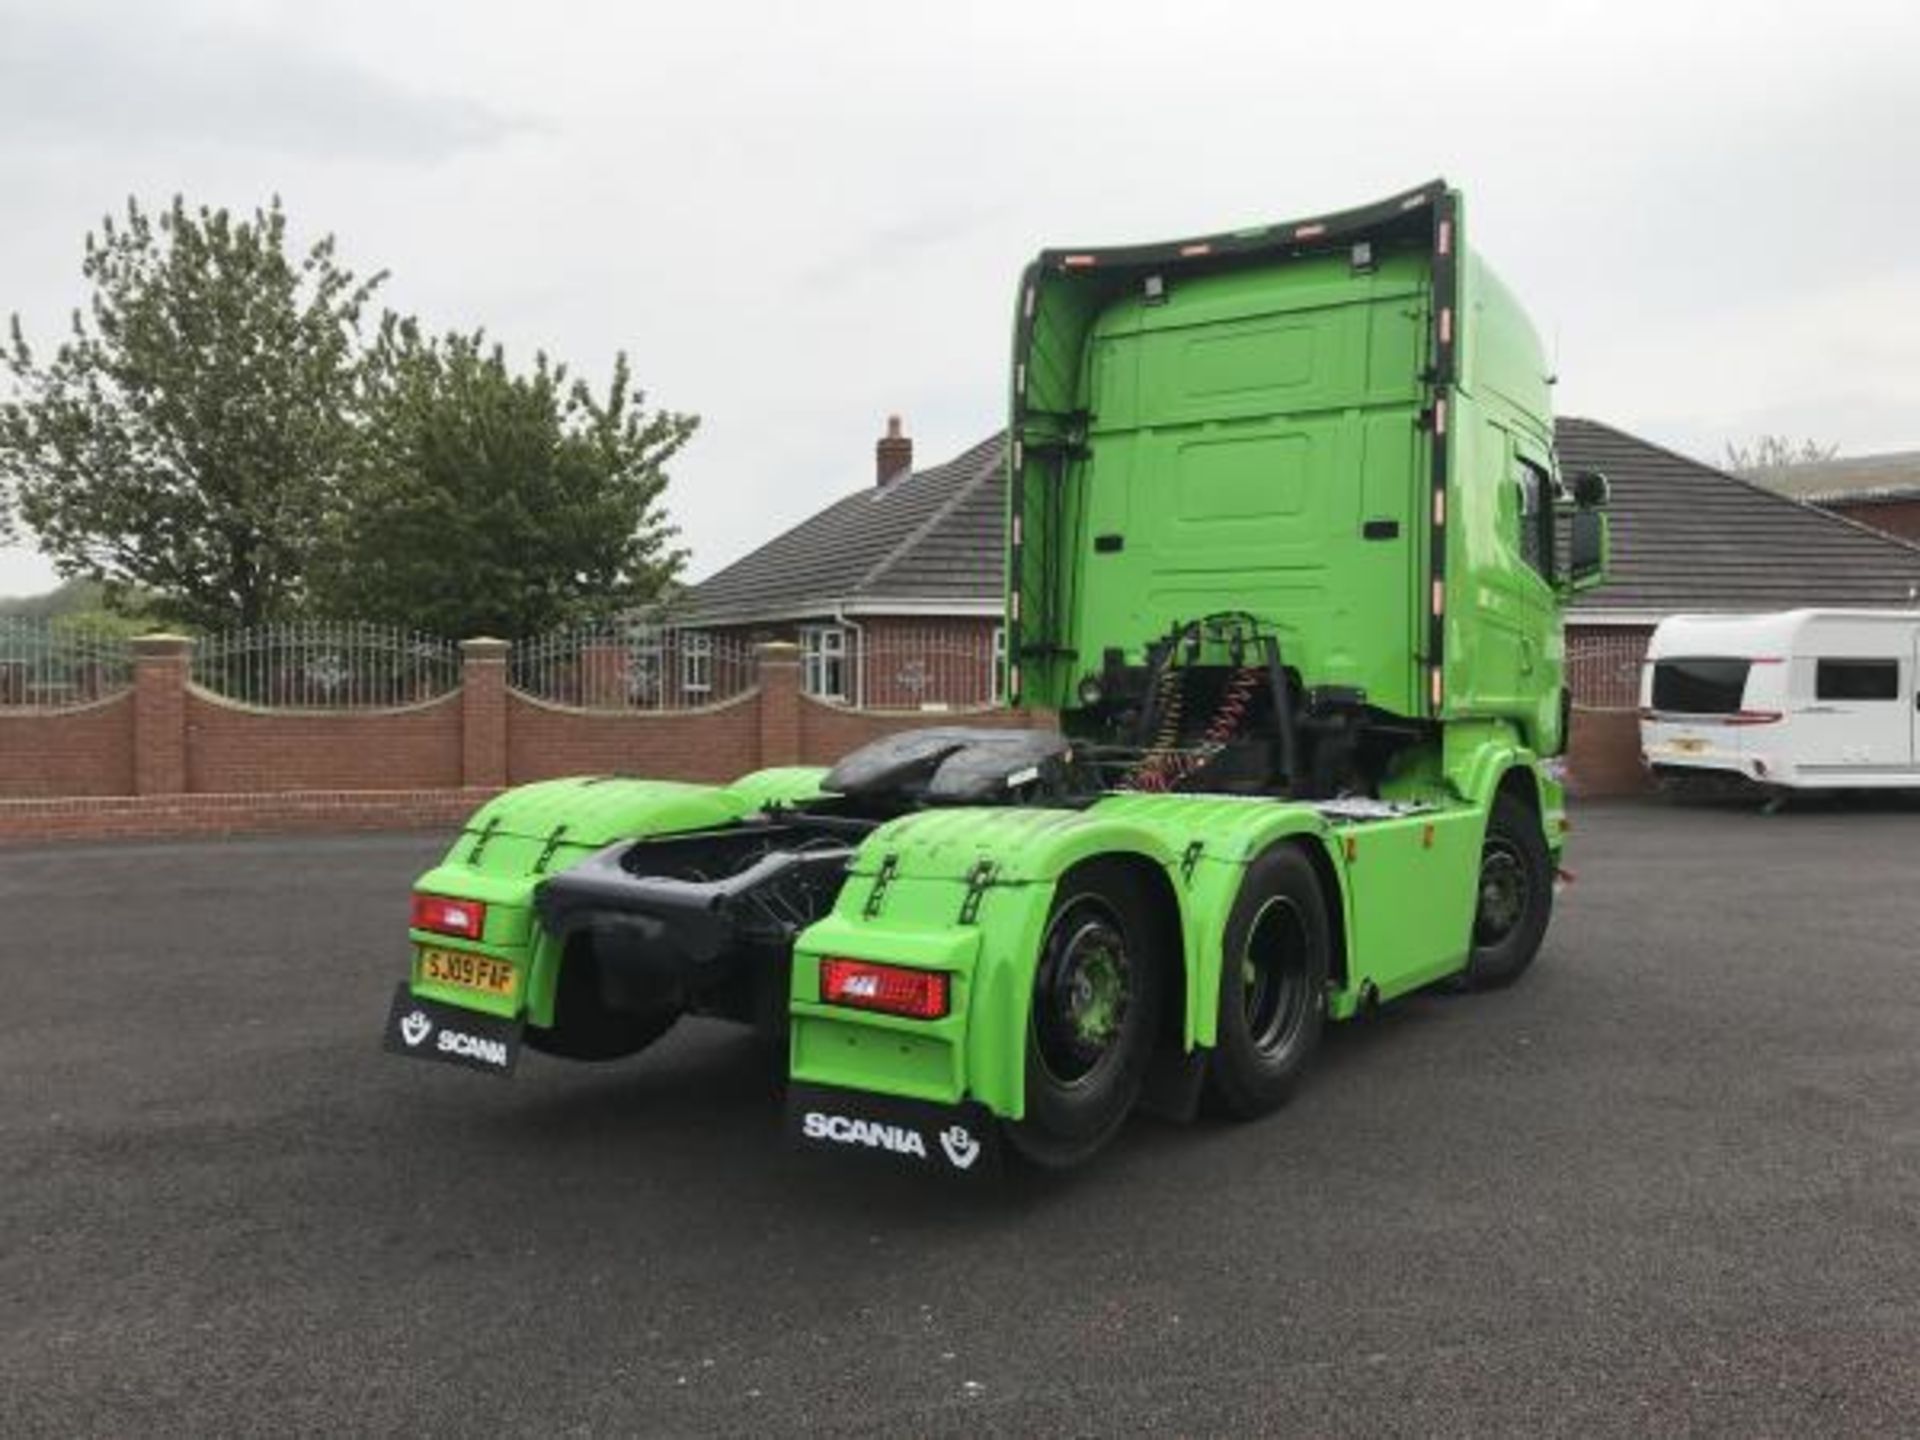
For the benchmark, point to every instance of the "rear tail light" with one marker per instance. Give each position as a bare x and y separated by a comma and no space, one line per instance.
1754,717
890,989
444,915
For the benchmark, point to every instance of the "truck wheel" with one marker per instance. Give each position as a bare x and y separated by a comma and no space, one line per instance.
1515,896
584,1026
1096,1006
1273,985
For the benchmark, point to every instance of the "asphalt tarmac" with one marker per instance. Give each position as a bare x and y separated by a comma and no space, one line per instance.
1671,1182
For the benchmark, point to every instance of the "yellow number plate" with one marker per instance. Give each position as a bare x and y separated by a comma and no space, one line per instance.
1689,747
466,971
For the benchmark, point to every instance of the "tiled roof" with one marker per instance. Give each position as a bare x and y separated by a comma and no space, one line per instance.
1689,537
1894,476
1685,537
934,535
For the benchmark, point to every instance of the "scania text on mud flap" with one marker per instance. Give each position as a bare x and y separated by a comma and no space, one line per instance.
427,1030
1287,549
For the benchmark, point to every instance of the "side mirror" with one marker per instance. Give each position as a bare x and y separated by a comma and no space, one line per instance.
1587,549
1589,490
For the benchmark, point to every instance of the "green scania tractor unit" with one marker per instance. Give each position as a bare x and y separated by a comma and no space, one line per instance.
1286,552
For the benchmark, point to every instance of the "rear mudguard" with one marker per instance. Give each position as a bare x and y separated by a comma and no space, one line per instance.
520,838
968,891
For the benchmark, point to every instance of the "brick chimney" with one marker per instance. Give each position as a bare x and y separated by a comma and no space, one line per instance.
892,454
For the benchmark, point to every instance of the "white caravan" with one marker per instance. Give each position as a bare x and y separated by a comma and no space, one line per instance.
1803,699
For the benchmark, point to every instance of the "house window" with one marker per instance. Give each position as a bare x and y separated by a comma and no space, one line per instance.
999,661
696,662
823,653
1857,680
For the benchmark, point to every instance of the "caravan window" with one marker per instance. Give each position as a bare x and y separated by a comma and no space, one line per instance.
1857,680
1699,687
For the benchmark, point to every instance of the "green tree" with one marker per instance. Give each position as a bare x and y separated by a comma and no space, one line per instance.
493,502
190,435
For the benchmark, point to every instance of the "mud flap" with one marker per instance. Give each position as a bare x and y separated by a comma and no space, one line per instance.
427,1030
961,1141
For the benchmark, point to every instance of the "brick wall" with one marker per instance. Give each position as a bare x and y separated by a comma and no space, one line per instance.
234,749
1603,671
88,751
167,758
828,731
1604,759
145,817
718,743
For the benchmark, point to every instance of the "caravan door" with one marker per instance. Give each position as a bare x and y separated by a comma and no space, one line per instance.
1858,723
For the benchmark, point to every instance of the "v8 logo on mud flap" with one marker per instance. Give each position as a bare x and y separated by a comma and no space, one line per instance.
962,1149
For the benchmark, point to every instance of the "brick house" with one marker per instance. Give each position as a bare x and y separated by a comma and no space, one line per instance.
1878,490
894,592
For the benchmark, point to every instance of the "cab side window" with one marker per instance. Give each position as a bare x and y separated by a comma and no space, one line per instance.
1530,483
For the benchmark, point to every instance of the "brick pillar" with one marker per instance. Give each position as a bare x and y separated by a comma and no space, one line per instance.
779,670
483,712
160,667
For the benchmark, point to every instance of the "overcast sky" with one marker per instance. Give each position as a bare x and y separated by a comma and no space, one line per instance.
799,217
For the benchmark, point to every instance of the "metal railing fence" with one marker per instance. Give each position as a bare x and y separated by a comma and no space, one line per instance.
915,667
55,664
633,666
1603,669
326,665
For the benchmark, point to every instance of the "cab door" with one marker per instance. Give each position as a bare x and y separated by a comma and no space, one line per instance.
1518,660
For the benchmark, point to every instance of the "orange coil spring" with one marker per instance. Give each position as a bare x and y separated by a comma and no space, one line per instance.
1150,773
1166,767
1233,706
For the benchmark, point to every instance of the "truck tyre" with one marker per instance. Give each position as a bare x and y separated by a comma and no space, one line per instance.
1273,985
1515,896
584,1026
1095,1012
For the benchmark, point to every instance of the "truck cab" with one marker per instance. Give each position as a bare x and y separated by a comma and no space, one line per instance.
1338,430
